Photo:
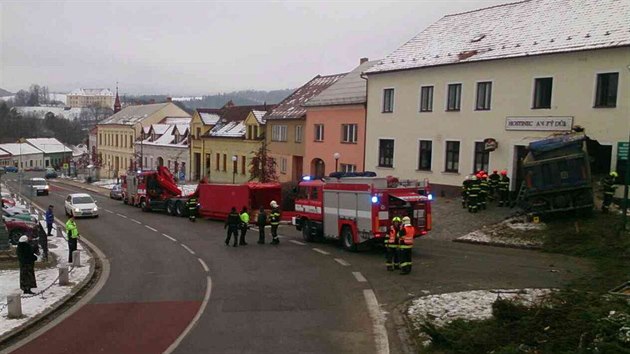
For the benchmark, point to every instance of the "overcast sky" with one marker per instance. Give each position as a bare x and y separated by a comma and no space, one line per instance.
201,47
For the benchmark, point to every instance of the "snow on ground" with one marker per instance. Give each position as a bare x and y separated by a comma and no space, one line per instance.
513,232
34,305
105,183
187,188
467,305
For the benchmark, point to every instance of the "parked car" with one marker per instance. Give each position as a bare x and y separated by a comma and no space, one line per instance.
80,204
50,173
10,169
116,192
18,228
18,214
7,201
39,186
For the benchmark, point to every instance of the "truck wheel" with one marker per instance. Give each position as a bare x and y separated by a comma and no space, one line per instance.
347,239
179,208
125,201
307,231
170,210
143,205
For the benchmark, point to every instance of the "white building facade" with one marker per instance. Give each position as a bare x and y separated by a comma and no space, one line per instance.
166,145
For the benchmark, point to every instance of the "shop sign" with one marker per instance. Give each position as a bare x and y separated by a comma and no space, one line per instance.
622,151
490,144
539,123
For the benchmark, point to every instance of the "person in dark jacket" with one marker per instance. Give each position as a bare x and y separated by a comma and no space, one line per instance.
608,187
244,225
274,220
27,259
261,221
50,220
232,225
192,205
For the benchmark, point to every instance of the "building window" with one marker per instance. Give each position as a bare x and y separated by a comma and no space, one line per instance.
298,133
484,95
279,133
386,153
131,141
542,92
319,132
426,99
454,97
218,162
116,140
283,165
388,100
198,132
424,155
243,164
452,156
349,133
482,157
250,132
348,168
606,95
224,162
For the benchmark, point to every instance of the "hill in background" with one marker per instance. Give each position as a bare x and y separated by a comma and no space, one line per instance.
4,92
240,98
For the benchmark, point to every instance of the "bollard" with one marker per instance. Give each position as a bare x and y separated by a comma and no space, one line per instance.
76,259
14,305
59,233
39,217
31,208
64,276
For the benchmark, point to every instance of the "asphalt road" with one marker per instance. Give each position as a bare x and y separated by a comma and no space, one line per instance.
295,297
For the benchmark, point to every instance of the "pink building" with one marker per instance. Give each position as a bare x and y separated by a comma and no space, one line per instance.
334,131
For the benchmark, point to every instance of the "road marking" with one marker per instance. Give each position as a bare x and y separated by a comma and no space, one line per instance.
204,265
109,211
187,248
136,221
122,216
170,238
359,277
194,321
378,322
342,262
320,251
297,242
150,228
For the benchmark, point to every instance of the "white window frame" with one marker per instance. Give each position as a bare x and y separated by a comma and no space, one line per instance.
459,156
378,152
594,94
318,130
533,91
473,167
420,97
343,167
283,165
299,133
351,135
278,132
461,96
418,155
477,93
393,101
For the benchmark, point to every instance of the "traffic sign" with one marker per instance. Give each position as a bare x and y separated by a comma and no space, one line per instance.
622,150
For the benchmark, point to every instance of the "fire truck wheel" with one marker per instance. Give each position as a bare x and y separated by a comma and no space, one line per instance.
307,232
179,208
125,201
170,209
143,205
347,239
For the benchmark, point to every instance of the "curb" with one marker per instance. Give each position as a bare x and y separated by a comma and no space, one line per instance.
99,190
498,244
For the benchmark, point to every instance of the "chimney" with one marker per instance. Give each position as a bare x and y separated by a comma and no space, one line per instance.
363,60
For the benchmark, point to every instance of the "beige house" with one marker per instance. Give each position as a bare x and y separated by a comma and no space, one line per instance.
285,128
474,77
83,98
118,134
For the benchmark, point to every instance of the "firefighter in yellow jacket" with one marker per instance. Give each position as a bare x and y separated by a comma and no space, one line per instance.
391,245
405,247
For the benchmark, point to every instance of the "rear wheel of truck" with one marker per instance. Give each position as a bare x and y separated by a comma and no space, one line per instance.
144,205
347,239
170,208
179,208
307,231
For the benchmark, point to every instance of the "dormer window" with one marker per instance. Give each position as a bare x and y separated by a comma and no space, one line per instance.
177,138
153,136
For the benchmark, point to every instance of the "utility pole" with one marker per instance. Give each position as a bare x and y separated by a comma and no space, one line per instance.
625,189
4,234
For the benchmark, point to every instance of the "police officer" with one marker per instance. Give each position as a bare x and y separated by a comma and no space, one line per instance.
504,189
473,195
484,189
274,221
192,205
406,234
391,245
244,225
72,235
232,224
608,186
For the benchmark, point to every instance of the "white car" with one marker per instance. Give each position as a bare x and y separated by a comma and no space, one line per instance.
39,185
80,204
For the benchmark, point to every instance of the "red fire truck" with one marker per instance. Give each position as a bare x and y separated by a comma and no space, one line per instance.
150,189
358,209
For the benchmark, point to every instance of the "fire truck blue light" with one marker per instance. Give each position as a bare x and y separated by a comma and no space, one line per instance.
430,196
306,178
374,199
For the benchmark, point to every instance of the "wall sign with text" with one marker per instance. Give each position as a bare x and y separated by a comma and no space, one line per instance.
539,123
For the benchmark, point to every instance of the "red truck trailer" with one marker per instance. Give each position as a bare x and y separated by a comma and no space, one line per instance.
358,209
216,200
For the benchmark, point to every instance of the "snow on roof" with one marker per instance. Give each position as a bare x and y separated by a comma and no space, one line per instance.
166,135
259,115
181,128
16,149
48,145
176,120
4,153
65,112
91,92
526,28
235,129
209,118
350,89
291,107
159,128
134,114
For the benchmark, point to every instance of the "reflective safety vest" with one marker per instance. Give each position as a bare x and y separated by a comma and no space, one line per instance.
245,217
274,217
474,189
192,203
407,232
392,241
608,185
504,183
71,229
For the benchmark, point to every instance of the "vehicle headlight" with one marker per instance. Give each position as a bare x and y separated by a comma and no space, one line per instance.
95,208
77,210
46,187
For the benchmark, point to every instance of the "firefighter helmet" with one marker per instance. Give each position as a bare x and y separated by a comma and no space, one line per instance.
396,219
503,172
614,174
273,204
406,220
484,176
495,171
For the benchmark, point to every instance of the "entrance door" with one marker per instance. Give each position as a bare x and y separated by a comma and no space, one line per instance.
197,164
297,168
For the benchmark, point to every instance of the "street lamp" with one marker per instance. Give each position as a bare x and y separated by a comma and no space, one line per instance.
4,234
234,158
336,156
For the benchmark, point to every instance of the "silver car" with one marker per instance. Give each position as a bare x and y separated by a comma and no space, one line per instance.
81,204
39,186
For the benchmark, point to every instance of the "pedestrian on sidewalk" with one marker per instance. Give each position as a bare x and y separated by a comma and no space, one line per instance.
244,225
274,220
232,224
261,221
43,242
27,258
72,235
50,220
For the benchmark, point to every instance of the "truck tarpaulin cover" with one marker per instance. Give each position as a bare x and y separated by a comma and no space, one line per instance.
408,196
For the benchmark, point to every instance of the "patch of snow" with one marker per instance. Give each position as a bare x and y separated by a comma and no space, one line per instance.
105,183
187,188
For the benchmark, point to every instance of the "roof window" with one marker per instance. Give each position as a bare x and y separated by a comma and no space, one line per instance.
478,38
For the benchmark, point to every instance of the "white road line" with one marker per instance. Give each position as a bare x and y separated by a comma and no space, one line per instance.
320,251
170,238
109,211
187,248
122,216
136,221
378,322
297,242
204,265
342,262
150,228
194,321
359,277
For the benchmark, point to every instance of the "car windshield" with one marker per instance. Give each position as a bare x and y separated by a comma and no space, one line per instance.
82,200
39,183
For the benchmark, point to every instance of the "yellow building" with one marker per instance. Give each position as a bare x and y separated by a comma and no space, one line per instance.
434,103
117,134
83,98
